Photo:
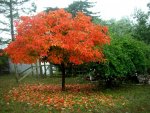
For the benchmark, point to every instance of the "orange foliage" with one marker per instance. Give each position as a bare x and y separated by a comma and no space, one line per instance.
58,37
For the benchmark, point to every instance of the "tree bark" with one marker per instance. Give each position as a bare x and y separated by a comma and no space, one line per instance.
63,76
109,83
36,66
11,21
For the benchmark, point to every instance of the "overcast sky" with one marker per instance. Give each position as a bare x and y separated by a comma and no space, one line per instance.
108,8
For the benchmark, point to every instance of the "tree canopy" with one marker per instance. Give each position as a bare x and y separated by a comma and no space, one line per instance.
81,6
57,37
142,27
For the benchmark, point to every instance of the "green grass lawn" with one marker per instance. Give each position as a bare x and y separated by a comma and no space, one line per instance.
43,95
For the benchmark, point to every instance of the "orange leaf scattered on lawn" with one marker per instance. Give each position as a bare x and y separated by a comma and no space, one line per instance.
51,96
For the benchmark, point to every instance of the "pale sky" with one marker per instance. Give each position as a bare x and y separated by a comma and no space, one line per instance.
108,8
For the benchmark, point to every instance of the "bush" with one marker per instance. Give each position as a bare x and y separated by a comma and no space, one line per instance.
3,63
124,58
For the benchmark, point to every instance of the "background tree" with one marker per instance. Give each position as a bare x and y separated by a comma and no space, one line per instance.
142,27
121,28
3,41
58,38
12,9
124,55
148,5
51,9
81,6
78,6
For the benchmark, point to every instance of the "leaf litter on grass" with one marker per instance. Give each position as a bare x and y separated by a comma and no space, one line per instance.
77,96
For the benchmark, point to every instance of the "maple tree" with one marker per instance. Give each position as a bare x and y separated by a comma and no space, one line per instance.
59,38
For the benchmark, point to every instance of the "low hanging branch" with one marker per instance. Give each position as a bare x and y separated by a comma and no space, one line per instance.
58,38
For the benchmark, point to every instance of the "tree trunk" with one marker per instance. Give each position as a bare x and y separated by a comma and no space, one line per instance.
36,66
109,83
11,21
63,76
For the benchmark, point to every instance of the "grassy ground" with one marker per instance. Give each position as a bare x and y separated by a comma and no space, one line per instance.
125,99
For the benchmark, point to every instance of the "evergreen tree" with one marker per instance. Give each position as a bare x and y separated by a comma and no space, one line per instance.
12,9
142,27
121,28
51,9
81,6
